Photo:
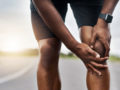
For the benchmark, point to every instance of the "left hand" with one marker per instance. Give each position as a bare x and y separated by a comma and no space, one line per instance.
101,32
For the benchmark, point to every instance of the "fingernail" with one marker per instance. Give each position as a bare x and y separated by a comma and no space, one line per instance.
91,46
100,74
97,56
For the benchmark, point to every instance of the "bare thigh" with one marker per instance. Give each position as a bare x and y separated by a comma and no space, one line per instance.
40,29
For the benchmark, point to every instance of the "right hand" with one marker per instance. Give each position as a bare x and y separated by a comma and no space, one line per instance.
101,32
90,58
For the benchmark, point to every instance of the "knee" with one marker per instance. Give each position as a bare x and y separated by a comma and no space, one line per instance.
49,53
99,48
86,34
49,46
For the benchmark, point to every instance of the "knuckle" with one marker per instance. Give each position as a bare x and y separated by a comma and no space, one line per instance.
88,51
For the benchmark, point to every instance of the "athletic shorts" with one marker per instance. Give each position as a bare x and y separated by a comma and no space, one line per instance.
85,14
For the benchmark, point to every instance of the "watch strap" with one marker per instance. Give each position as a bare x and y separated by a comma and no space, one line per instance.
107,17
103,16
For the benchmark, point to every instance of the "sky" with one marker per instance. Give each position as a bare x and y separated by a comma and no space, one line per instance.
16,29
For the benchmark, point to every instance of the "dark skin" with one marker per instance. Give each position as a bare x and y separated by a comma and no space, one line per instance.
57,26
94,82
48,75
100,42
101,30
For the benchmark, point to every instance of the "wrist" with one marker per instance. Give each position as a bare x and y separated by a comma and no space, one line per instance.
71,45
74,46
102,23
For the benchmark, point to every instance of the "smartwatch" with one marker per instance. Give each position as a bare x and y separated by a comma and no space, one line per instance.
107,17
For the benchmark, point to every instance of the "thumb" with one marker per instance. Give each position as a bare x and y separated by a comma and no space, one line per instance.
93,39
95,54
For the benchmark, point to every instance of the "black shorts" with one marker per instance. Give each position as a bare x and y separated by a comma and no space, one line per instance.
85,15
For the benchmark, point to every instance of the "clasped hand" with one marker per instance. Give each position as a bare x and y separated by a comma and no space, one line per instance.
90,58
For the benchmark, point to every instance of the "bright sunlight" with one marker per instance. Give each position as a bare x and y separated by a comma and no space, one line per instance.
12,44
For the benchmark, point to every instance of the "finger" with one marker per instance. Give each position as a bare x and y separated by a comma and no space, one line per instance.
95,70
99,59
107,47
102,59
87,67
98,65
93,39
93,53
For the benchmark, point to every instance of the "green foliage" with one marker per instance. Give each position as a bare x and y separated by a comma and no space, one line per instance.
114,58
69,55
35,52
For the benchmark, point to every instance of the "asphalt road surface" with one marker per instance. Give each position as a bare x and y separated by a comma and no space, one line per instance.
72,72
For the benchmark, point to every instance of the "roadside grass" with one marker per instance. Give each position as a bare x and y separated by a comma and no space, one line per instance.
72,56
35,52
114,58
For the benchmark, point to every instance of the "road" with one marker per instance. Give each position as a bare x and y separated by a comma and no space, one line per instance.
72,74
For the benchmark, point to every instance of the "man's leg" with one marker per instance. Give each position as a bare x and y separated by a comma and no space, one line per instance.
47,74
95,82
49,46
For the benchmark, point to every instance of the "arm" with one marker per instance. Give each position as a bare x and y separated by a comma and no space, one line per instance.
101,29
109,6
55,22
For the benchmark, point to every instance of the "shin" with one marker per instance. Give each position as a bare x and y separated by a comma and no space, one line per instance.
47,74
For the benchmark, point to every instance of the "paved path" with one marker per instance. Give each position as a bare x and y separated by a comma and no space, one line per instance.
13,67
72,75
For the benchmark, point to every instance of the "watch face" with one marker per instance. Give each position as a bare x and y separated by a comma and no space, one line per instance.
109,18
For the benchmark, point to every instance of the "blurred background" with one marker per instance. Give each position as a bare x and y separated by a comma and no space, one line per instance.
19,54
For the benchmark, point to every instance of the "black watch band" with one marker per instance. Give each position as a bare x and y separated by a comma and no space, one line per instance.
107,17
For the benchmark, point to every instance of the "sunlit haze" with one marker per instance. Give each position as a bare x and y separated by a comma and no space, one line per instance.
16,31
12,44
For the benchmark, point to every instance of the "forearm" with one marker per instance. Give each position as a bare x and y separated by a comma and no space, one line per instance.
109,6
54,21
